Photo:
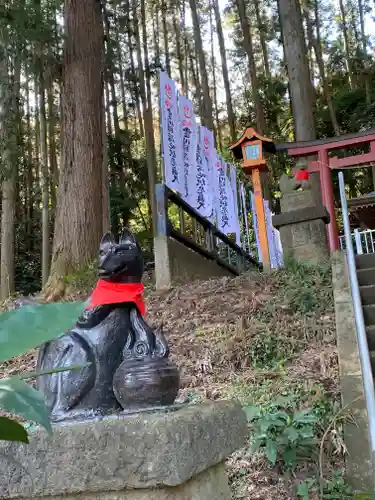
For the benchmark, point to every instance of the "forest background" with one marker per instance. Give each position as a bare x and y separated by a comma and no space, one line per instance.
79,112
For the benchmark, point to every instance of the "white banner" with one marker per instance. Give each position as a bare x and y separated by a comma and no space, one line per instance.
189,131
207,153
171,139
255,226
279,248
270,235
233,182
245,218
221,197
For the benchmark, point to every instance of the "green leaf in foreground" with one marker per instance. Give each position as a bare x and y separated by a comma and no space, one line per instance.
18,397
30,326
10,430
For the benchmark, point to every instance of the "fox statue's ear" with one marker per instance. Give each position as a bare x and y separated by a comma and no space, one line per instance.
127,238
107,238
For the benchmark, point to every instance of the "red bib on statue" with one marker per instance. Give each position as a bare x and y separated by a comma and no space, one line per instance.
106,292
301,175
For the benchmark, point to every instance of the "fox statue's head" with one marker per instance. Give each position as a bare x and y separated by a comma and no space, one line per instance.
120,262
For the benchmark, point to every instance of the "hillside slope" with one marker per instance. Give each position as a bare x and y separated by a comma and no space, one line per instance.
255,338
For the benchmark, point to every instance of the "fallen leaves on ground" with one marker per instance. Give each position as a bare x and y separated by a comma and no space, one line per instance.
214,328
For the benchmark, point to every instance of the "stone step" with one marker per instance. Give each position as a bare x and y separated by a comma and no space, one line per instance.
372,359
367,295
365,261
369,315
366,276
370,331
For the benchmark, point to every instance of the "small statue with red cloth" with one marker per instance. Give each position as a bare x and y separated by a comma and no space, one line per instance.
125,362
299,179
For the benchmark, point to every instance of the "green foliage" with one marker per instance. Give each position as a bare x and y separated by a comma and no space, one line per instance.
10,430
282,434
21,330
19,398
334,488
83,280
29,326
268,350
307,287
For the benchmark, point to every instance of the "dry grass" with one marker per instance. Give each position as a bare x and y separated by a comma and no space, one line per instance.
246,338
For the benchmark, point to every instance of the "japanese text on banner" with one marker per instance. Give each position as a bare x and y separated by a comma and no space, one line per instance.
189,130
204,174
171,140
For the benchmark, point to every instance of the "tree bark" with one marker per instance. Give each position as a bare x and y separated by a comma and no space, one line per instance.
262,39
348,59
79,218
9,131
44,180
54,171
298,69
207,118
319,59
146,97
180,57
132,67
299,76
164,11
224,67
217,130
248,46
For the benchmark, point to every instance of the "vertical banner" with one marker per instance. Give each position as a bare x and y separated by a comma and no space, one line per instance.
233,182
189,129
255,226
279,248
226,218
245,218
221,197
270,235
202,192
171,140
207,151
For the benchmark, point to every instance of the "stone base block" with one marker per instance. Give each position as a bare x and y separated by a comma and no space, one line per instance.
297,200
211,484
307,241
161,456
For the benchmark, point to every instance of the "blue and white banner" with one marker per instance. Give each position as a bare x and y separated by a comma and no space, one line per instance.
204,178
255,226
189,136
233,182
245,217
171,139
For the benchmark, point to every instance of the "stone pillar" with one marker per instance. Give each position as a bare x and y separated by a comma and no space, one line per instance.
302,226
149,456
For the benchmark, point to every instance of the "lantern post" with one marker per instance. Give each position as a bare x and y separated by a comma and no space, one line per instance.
252,149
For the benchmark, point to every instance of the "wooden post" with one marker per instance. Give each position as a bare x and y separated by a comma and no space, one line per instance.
252,149
259,207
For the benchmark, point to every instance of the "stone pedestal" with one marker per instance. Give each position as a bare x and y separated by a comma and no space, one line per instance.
302,225
161,456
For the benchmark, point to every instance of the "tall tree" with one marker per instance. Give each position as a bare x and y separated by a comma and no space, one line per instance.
224,67
207,115
79,221
300,86
249,48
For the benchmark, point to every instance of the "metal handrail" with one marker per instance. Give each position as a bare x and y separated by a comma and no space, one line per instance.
364,353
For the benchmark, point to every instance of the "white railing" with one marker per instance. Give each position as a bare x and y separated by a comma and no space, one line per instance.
363,241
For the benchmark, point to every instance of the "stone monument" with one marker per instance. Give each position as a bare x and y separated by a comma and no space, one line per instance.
118,434
302,219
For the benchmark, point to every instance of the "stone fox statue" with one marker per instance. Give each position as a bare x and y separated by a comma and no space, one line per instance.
99,336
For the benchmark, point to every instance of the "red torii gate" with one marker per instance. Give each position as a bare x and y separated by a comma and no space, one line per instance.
323,165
